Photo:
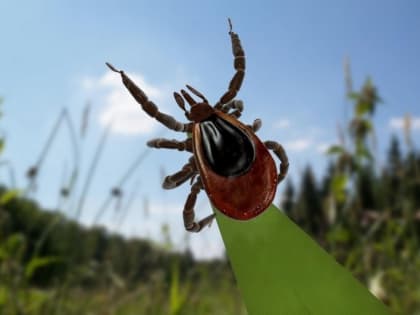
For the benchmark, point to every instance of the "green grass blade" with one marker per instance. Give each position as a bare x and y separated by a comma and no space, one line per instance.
281,270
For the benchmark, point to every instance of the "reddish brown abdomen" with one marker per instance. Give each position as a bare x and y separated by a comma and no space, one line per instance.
244,196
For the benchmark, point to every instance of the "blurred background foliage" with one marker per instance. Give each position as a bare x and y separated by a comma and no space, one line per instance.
366,214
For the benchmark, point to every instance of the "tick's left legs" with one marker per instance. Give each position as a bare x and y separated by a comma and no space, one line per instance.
188,213
281,154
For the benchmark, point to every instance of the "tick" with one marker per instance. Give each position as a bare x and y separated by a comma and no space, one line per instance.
234,166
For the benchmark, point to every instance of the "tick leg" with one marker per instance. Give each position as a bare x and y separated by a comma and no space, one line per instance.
237,105
171,144
177,179
148,106
188,213
239,65
256,125
281,154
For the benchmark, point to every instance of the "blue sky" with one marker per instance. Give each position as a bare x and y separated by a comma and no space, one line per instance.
53,55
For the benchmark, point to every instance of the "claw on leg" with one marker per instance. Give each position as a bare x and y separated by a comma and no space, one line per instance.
281,154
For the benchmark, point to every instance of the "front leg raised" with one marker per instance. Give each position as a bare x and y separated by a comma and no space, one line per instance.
148,106
239,65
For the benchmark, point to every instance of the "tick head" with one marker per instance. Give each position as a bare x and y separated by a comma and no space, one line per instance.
200,112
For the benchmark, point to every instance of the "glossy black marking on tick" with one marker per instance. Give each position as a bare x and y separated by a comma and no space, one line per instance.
228,150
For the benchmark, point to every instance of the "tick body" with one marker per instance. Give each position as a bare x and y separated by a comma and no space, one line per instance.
237,171
234,166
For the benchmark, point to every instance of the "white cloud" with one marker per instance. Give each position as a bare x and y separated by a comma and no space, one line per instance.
121,109
400,122
282,124
298,145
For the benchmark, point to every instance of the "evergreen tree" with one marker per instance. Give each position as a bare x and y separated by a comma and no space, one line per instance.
309,204
365,189
326,181
394,156
392,175
288,202
411,181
